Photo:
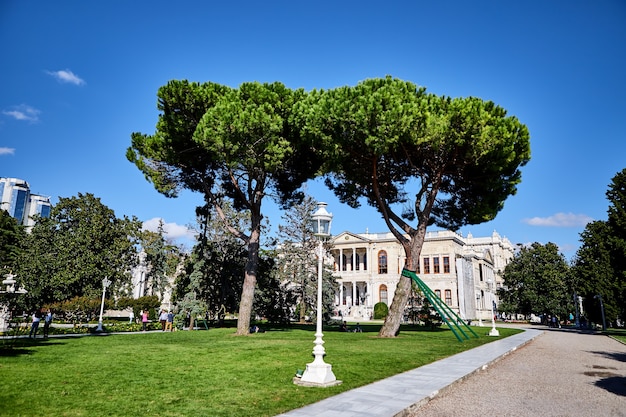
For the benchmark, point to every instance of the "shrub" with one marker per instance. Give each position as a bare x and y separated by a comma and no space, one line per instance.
380,311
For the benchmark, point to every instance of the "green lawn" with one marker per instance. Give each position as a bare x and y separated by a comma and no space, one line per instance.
619,334
202,373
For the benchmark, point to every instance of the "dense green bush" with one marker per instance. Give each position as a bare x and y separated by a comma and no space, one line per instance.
112,327
380,311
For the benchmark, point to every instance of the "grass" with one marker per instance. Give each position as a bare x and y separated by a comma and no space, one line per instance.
203,373
619,334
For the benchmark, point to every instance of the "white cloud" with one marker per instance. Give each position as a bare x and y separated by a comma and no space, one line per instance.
172,231
23,112
67,76
7,151
560,220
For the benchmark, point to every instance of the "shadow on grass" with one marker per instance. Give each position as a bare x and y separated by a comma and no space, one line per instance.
24,346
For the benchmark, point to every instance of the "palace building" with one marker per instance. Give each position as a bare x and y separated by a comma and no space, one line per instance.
464,272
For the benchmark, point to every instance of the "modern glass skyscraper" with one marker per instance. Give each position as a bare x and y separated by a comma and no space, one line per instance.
17,200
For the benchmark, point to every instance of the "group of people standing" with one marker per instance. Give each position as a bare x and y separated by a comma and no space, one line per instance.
36,319
167,321
166,318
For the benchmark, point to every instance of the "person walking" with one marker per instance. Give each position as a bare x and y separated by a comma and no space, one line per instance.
163,319
169,325
144,320
34,325
46,324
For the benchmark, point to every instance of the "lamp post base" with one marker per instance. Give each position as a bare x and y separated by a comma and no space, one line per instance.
317,375
494,332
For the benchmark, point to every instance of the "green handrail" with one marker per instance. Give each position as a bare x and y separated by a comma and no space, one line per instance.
442,308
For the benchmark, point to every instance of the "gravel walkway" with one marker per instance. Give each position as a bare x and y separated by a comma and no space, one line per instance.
560,373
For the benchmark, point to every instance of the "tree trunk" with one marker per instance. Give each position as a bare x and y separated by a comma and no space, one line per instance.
302,310
393,320
249,283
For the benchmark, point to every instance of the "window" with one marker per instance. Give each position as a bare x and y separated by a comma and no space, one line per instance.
480,271
382,262
438,293
20,205
365,261
45,211
448,294
357,265
436,265
446,264
427,265
382,294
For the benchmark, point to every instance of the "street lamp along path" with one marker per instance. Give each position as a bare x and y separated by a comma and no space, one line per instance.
105,284
319,373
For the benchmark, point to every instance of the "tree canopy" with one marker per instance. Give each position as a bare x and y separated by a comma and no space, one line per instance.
537,281
600,263
69,254
228,143
413,155
11,235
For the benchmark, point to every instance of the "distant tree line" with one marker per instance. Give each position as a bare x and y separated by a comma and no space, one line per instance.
539,280
63,260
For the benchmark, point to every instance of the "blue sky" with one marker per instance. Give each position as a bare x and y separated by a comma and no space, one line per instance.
77,78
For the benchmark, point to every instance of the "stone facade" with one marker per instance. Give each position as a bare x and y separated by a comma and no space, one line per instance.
464,271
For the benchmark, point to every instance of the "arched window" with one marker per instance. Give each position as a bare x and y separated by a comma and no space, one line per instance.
382,294
448,294
382,262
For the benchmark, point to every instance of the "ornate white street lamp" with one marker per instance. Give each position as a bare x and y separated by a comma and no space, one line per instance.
319,373
105,284
493,331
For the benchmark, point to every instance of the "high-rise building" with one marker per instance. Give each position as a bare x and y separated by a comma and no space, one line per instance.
20,203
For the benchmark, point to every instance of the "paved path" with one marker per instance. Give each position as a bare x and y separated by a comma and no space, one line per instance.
561,373
535,373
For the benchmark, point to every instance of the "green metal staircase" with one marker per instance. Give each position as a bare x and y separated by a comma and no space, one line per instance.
452,320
